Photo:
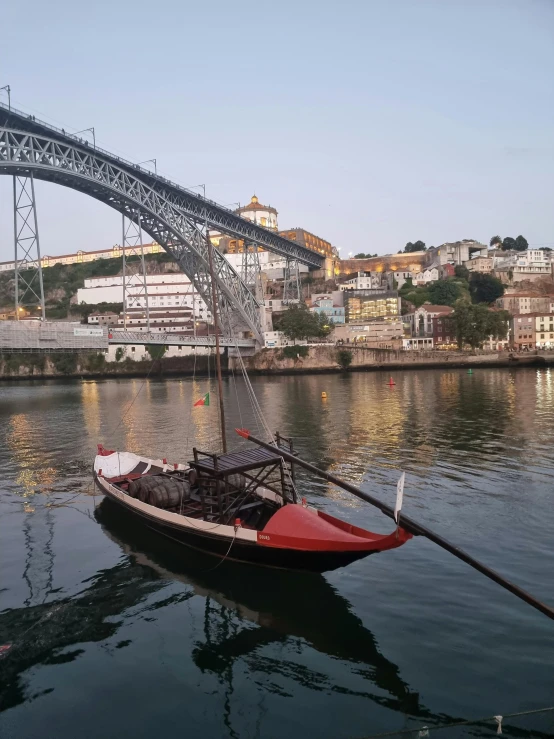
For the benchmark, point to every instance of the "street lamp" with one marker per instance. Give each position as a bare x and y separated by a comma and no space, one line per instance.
86,130
147,161
8,89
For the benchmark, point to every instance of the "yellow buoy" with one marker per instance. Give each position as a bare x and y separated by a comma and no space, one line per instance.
324,394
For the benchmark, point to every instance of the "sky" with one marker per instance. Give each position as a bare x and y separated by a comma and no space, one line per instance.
368,123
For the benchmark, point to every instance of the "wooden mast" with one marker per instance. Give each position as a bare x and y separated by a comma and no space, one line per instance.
217,354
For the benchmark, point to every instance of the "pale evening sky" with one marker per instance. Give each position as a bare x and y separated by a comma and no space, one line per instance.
368,123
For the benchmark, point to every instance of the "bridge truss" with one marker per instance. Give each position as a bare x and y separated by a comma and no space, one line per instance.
173,216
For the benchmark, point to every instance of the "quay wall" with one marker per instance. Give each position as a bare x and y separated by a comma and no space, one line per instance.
325,359
267,361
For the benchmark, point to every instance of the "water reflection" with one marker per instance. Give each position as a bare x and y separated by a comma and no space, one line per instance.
24,441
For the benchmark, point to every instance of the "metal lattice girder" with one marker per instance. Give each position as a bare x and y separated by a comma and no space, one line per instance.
83,169
29,289
198,209
134,291
292,292
250,268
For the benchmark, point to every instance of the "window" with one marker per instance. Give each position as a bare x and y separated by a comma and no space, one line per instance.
132,348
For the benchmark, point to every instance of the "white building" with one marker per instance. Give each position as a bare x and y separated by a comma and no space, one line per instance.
277,340
165,291
271,265
363,281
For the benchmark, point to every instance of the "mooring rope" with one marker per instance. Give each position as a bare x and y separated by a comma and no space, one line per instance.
423,731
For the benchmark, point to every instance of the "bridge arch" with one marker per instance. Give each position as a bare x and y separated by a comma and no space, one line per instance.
84,169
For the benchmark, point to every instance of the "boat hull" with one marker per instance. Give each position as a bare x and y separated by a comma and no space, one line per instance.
238,550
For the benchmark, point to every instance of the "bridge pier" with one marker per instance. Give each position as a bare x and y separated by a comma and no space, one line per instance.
29,288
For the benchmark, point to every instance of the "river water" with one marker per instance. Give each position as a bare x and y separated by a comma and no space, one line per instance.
113,633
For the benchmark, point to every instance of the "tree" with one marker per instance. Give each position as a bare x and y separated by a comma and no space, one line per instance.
473,324
485,288
444,292
496,241
156,351
508,244
461,272
418,246
344,358
298,323
119,353
361,255
521,243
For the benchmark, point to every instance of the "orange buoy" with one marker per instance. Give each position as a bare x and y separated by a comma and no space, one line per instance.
391,382
324,395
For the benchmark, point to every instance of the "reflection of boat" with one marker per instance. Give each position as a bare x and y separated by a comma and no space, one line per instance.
312,611
241,506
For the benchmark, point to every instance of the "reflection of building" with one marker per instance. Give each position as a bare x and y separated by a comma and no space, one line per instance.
378,334
364,305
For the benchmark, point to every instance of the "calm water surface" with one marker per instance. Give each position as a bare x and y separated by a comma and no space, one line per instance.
115,633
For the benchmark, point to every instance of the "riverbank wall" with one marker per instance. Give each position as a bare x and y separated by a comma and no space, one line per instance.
329,358
313,359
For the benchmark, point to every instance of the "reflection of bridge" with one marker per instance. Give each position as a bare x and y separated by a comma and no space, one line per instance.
173,216
51,337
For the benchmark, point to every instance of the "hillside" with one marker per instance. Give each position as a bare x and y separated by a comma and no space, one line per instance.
62,281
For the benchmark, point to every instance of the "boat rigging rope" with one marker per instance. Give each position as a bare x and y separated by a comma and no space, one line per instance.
423,731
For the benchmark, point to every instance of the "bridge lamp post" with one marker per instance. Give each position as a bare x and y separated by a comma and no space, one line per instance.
87,130
148,161
8,89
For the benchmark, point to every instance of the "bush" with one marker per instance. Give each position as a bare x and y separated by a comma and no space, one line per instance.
293,352
344,358
65,364
96,362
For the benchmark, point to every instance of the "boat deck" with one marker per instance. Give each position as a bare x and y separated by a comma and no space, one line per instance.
221,465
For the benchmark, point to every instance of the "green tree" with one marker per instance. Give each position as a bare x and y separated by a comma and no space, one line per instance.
299,323
444,292
361,255
496,241
417,246
508,244
521,243
485,288
119,353
344,358
461,272
156,351
473,324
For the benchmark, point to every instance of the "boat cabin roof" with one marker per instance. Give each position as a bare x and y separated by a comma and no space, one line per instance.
234,462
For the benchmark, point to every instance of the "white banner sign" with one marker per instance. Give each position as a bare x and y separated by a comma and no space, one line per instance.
88,332
399,496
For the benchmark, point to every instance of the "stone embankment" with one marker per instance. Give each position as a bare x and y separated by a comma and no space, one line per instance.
326,359
268,361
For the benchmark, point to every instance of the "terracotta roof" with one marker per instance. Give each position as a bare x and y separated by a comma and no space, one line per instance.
437,308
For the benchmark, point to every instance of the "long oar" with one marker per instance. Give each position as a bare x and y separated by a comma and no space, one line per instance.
408,524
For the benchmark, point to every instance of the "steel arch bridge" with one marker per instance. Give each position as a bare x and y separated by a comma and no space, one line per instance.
173,216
